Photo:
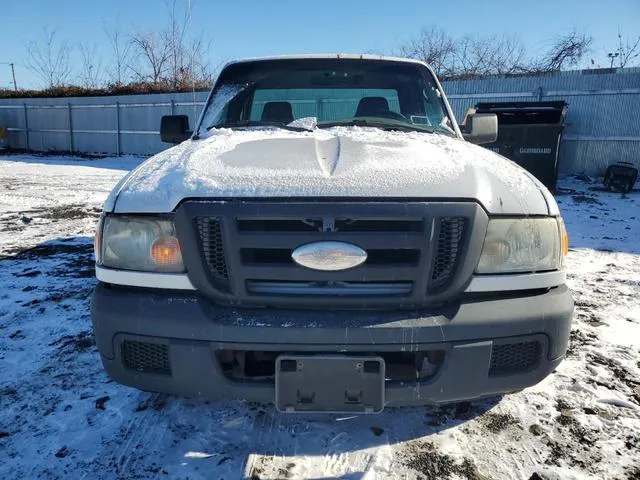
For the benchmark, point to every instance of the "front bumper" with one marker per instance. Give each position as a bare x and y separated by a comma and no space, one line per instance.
193,330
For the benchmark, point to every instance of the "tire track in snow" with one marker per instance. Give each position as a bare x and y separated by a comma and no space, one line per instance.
137,430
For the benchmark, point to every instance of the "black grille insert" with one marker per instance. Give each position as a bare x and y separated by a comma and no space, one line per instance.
282,256
210,232
146,357
345,289
334,225
451,232
510,358
347,225
279,225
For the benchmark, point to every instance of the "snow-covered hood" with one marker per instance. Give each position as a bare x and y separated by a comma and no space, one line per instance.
338,162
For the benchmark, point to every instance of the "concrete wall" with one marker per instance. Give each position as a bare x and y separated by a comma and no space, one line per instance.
118,124
603,122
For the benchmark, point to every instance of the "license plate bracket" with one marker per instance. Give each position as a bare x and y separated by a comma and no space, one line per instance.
329,384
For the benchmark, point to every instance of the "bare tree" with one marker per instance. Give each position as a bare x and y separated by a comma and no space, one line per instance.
201,73
171,55
435,47
468,57
507,54
120,54
479,56
474,56
628,52
49,59
567,51
149,63
187,62
175,38
91,66
494,55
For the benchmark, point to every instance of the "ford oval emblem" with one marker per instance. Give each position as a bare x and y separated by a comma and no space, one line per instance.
329,256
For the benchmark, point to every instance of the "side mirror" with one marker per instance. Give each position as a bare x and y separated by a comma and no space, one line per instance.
174,128
480,128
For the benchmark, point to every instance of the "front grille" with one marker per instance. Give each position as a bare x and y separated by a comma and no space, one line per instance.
146,357
212,245
414,251
258,262
451,231
511,358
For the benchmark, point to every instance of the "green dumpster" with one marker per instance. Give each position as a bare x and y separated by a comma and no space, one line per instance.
529,134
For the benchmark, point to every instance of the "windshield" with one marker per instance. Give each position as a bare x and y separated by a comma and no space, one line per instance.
325,93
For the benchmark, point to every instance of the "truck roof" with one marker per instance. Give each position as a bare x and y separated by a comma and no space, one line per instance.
352,56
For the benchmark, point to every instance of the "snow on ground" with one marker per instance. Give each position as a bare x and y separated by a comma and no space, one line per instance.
43,198
61,417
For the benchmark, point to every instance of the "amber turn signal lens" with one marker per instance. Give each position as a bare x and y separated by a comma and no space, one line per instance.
565,243
564,238
166,251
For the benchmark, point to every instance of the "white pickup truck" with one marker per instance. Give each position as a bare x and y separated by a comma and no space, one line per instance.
328,239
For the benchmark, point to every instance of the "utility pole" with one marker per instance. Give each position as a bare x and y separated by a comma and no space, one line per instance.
13,73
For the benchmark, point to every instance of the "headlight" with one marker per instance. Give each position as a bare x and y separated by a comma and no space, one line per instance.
139,243
523,245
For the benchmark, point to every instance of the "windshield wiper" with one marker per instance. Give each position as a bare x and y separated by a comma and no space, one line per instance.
258,123
382,124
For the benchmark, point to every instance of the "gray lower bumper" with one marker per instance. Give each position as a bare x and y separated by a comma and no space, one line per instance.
194,329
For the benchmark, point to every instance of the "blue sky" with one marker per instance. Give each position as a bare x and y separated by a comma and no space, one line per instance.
252,27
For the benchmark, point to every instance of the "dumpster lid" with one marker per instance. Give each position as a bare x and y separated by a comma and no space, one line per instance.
514,113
